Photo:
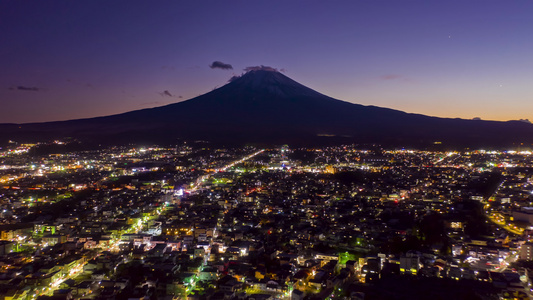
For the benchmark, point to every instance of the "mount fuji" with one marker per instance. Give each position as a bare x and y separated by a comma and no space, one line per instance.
265,106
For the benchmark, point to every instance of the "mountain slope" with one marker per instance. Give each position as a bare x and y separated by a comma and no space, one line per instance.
266,106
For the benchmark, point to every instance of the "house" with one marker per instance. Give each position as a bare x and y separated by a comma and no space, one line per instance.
54,239
297,295
261,297
229,284
208,273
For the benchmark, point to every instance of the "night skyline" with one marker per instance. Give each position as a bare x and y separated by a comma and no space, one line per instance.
67,60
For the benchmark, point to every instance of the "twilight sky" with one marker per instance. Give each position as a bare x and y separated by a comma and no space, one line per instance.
72,59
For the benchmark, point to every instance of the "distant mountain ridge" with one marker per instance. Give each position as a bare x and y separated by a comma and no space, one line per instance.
268,107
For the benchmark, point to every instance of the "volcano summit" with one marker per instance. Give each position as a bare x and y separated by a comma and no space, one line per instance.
265,106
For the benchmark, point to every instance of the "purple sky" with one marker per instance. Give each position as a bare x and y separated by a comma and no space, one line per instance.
71,59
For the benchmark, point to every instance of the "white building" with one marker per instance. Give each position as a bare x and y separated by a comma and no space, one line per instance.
526,251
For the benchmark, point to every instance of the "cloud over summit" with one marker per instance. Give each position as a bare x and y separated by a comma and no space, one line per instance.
261,67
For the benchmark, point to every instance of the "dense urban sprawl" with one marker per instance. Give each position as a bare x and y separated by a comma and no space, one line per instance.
196,221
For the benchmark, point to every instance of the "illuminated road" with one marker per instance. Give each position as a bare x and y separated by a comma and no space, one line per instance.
196,185
113,245
497,219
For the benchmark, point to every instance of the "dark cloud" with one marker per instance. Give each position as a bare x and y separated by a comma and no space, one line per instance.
261,67
169,94
390,76
26,88
220,65
166,94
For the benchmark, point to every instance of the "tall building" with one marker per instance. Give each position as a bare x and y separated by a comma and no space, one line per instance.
526,251
525,215
409,264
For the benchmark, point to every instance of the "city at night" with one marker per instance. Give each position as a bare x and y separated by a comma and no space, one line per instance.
266,150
